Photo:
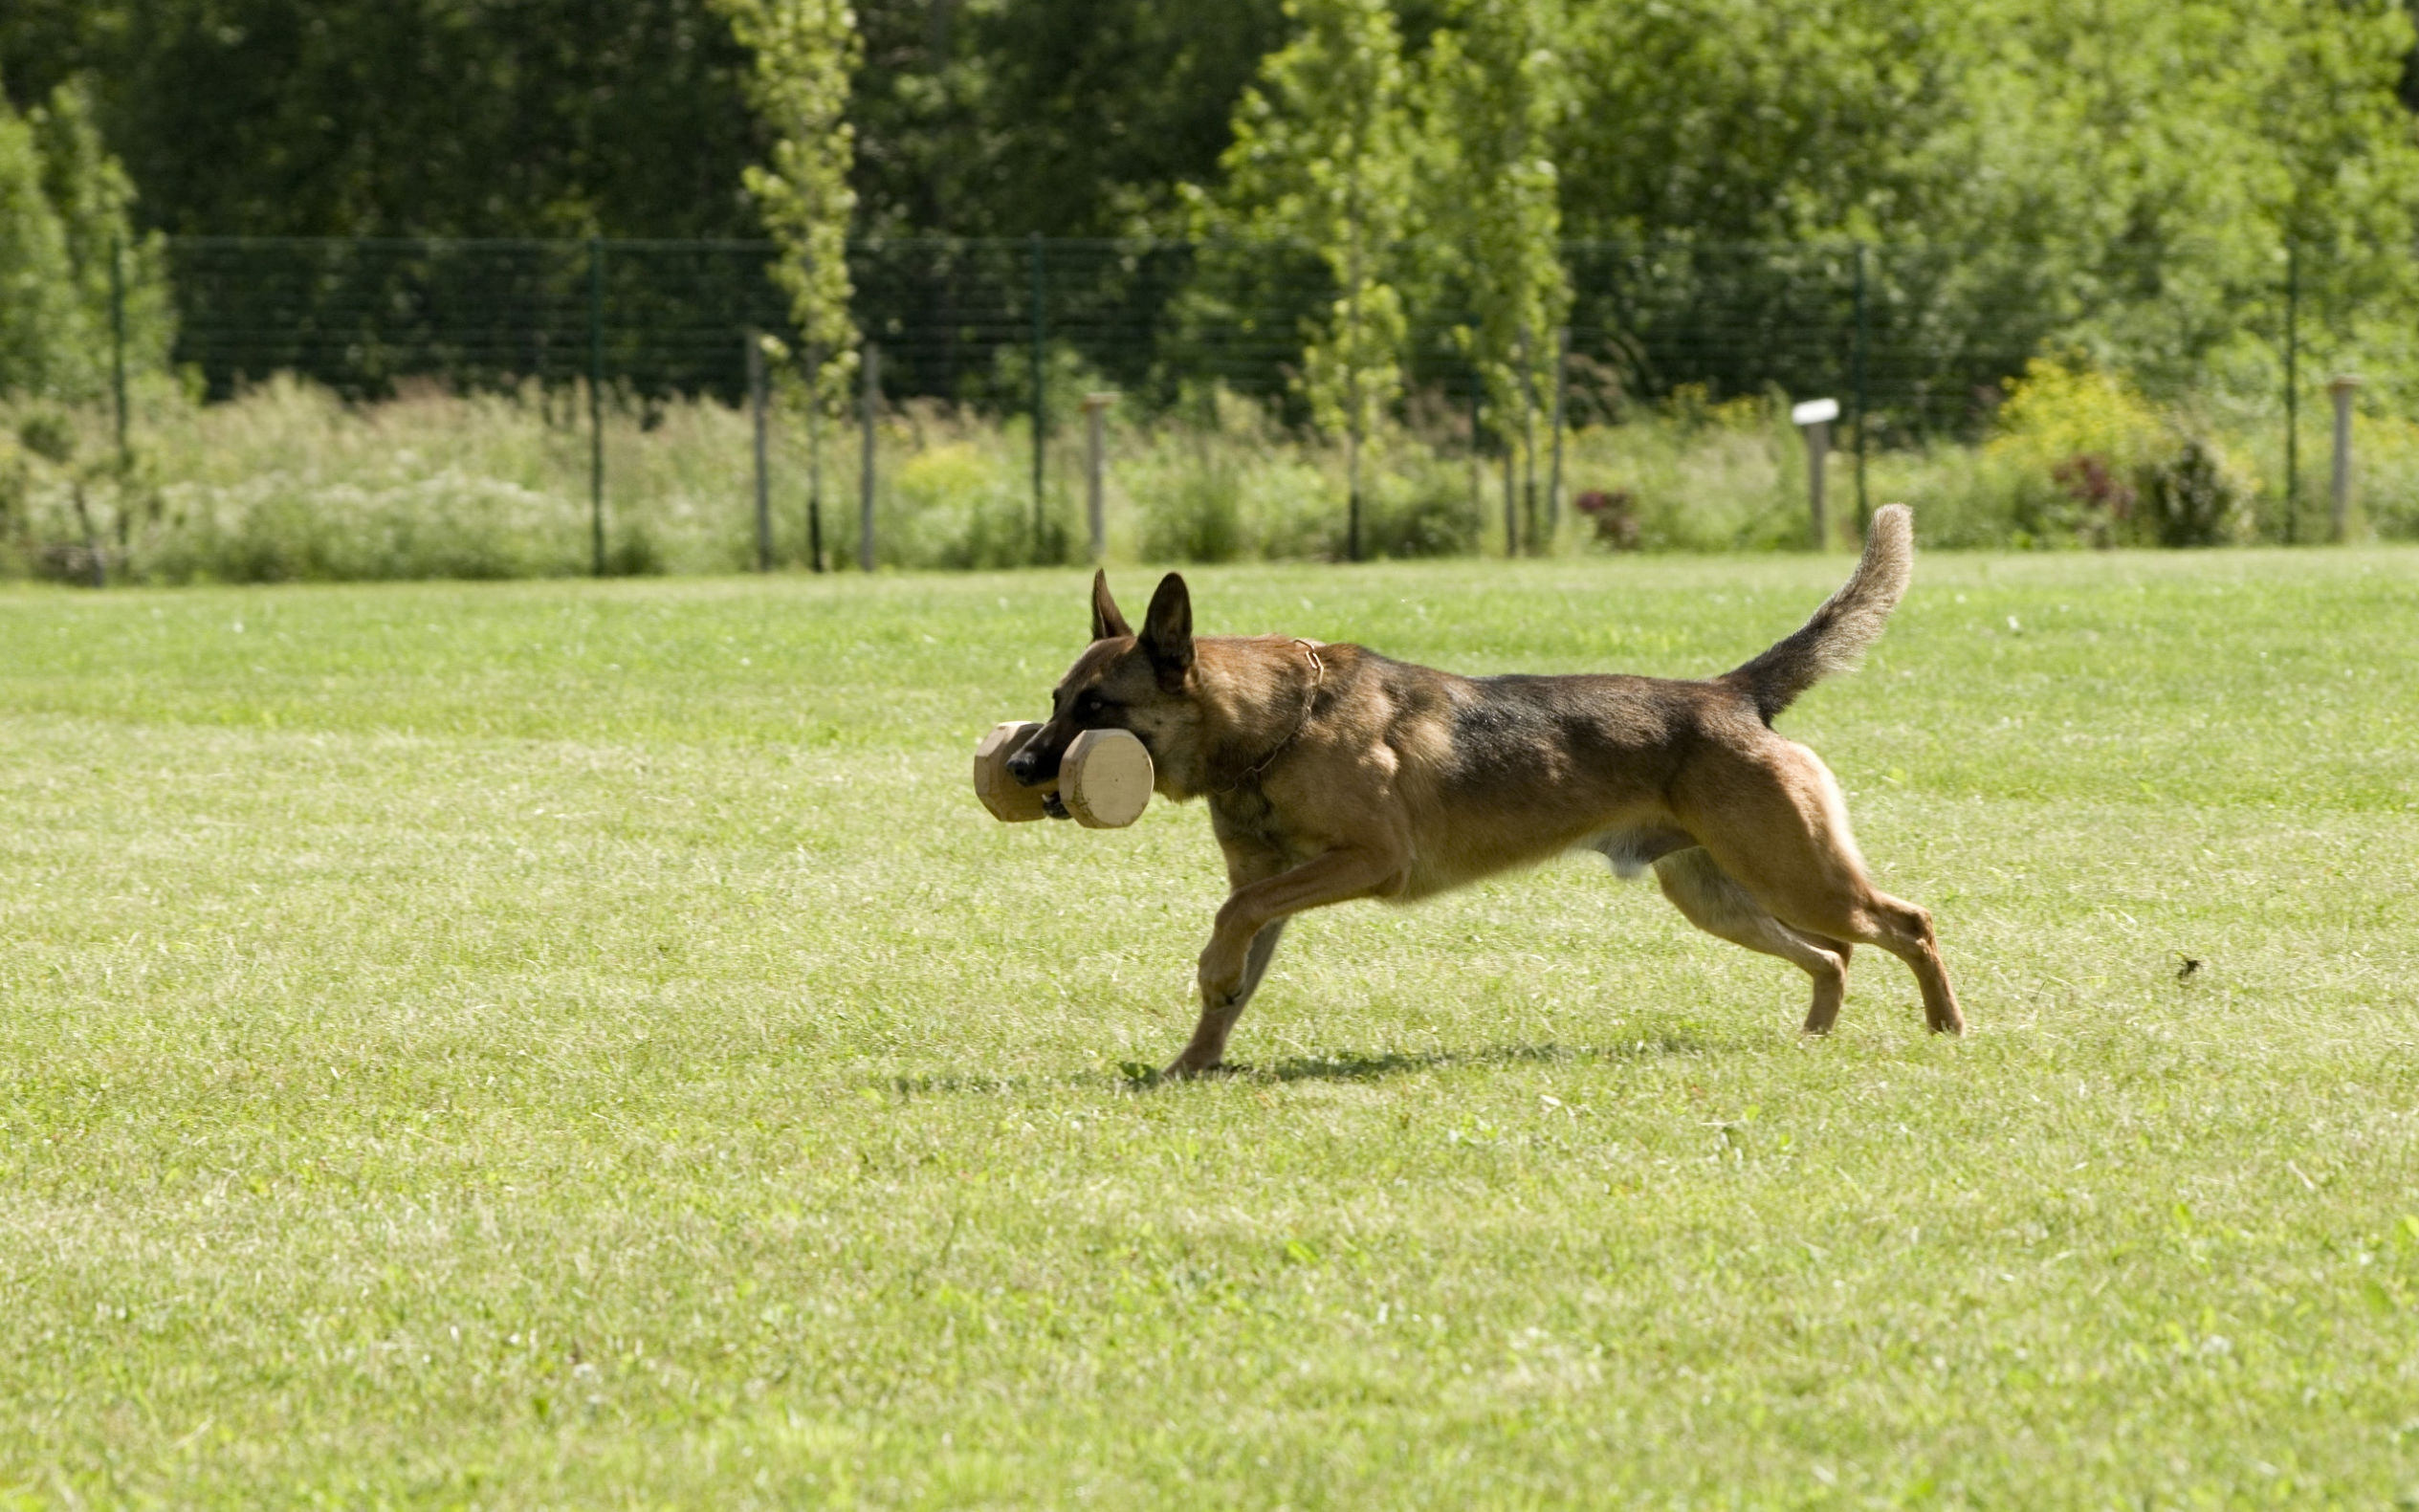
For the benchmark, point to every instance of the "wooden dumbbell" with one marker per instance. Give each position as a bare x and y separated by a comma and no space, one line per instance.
1103,780
1008,800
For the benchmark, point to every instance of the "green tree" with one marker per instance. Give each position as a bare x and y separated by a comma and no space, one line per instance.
405,118
1070,117
804,51
1323,156
119,279
40,326
2163,154
629,117
2116,175
65,236
1495,89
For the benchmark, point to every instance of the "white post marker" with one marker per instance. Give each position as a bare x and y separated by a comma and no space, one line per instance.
2341,387
1095,506
1814,417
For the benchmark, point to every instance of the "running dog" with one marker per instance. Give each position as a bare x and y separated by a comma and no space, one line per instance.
1333,773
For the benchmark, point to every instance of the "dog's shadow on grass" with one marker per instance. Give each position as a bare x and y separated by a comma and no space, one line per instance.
1326,1065
1376,1066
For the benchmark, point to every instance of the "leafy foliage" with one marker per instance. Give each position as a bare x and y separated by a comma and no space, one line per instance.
805,51
2193,498
65,234
38,314
1323,156
398,118
1495,88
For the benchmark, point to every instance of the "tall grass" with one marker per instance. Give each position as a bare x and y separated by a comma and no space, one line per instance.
290,482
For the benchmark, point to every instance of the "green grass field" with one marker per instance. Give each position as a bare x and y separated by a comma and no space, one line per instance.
567,1044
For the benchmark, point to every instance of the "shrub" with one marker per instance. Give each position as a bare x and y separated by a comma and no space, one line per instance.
2071,436
1197,516
2194,497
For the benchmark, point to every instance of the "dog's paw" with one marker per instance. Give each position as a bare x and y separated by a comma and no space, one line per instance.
1188,1067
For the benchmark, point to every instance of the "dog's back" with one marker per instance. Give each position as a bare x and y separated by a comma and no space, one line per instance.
1502,771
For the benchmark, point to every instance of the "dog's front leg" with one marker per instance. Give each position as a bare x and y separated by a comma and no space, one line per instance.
1249,925
1220,1010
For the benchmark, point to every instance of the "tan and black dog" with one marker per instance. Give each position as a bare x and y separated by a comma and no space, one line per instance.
1334,773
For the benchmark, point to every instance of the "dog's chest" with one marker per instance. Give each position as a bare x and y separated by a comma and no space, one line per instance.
1246,815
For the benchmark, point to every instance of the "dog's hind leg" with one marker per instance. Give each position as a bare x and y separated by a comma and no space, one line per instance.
1714,902
1781,829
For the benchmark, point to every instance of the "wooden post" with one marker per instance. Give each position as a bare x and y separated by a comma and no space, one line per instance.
1553,479
1528,444
1478,463
1353,493
1814,417
118,359
815,395
1864,511
763,483
1041,398
2292,393
596,404
1096,504
1511,506
2340,518
865,471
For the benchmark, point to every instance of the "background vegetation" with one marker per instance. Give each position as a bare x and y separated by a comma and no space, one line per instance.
1406,199
291,483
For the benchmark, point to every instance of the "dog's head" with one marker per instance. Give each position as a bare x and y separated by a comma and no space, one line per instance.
1138,681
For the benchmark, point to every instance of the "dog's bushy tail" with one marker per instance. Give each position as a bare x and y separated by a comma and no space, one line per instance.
1848,622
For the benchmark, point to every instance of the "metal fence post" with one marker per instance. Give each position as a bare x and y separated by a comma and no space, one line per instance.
1864,511
1529,442
1096,502
1478,465
2339,499
596,404
1562,388
1352,501
763,485
865,473
815,458
118,351
1511,506
2293,391
1041,391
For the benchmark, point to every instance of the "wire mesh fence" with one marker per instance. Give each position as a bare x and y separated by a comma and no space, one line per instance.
1908,332
1915,342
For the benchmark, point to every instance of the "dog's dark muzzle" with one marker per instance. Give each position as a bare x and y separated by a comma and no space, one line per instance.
1038,762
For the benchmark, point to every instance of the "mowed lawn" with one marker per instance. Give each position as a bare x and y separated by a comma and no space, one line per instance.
582,1044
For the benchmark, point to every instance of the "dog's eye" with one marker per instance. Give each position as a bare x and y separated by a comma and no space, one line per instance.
1088,707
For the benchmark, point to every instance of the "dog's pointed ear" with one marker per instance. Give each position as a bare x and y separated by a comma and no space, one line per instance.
1107,620
1167,631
